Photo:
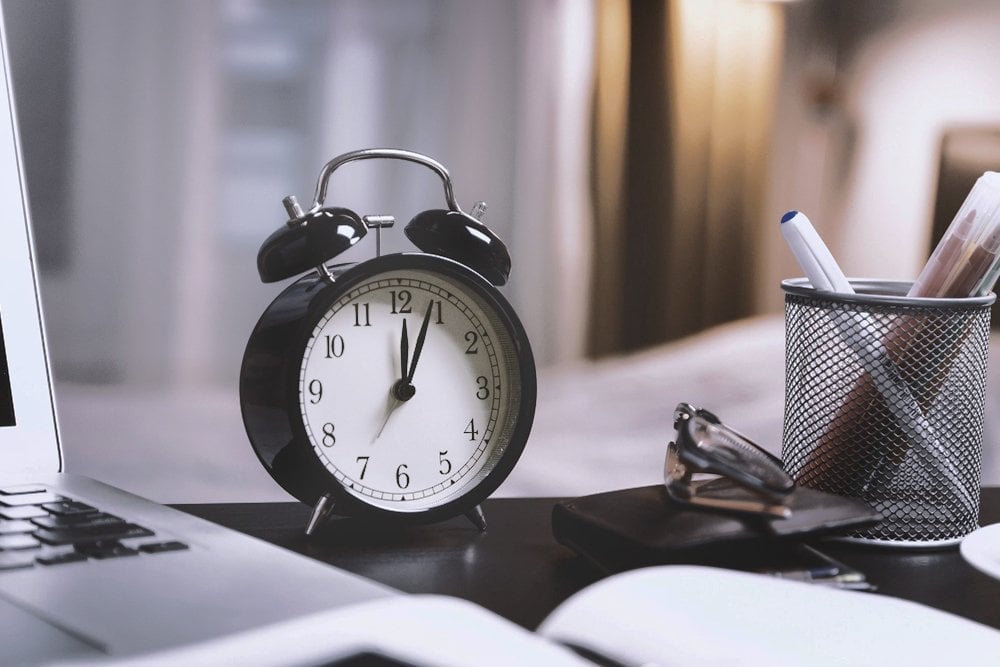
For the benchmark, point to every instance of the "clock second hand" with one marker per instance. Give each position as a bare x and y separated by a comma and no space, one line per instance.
394,400
393,404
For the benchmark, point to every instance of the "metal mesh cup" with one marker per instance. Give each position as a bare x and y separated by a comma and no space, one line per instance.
884,401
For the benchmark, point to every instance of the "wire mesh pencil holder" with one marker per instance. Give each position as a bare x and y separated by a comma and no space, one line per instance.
884,401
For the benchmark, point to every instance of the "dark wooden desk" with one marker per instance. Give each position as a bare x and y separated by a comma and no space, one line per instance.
519,571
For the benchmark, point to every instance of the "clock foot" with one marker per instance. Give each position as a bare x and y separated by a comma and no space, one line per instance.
476,516
323,509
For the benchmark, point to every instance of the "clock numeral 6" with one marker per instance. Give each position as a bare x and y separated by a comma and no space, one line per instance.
329,439
334,346
444,464
402,479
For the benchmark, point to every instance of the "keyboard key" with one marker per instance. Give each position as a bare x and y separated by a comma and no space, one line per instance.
92,519
22,488
105,550
31,516
11,526
61,558
162,547
16,542
30,499
68,507
83,534
12,560
27,512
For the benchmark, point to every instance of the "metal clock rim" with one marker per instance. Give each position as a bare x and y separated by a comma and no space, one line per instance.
347,280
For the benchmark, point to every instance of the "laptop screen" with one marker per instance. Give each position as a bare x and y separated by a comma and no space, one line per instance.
6,399
28,435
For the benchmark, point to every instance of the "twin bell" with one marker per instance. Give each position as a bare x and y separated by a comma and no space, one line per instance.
310,239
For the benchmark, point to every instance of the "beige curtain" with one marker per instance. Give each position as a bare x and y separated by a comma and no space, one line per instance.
682,114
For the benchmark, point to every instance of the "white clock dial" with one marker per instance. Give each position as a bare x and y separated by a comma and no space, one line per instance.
407,420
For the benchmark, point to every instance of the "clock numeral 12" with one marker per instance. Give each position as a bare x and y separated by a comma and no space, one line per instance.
401,302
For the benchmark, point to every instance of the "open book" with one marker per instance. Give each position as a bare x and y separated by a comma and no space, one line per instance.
665,615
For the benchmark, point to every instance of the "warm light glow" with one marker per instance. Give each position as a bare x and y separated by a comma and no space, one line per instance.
726,65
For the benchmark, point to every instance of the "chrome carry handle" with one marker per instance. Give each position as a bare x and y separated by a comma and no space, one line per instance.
391,154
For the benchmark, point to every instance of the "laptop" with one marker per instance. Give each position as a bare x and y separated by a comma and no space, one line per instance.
87,569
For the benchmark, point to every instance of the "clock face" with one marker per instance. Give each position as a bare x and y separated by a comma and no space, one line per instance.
409,389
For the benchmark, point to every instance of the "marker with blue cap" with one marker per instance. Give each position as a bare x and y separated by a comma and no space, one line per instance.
812,254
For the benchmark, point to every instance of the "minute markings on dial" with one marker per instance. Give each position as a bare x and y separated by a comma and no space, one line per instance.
493,368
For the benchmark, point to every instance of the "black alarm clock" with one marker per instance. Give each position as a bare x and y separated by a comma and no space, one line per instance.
400,389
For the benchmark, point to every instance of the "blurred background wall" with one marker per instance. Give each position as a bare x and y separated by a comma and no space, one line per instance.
636,157
161,137
868,92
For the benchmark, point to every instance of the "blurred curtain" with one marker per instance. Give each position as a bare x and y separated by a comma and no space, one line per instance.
188,121
683,106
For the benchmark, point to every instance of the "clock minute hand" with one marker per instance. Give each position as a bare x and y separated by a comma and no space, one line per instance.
420,342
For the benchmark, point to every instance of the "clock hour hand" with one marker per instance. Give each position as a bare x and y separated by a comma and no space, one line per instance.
403,389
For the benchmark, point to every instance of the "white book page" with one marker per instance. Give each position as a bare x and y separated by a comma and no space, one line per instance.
671,615
687,615
422,630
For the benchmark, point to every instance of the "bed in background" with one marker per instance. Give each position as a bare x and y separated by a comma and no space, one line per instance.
598,426
605,425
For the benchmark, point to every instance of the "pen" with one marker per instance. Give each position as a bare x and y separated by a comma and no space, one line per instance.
939,267
965,262
812,254
981,258
984,287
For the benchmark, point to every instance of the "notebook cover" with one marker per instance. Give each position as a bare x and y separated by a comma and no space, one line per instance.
620,530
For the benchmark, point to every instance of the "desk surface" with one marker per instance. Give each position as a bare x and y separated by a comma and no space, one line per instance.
519,571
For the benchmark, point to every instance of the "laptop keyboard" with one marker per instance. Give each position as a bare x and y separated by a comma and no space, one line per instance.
42,528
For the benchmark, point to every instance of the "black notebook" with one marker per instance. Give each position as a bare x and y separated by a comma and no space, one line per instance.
621,530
